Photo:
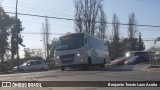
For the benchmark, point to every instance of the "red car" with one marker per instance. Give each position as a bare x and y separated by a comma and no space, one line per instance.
119,61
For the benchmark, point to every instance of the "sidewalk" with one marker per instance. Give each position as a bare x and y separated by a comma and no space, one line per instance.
155,68
9,72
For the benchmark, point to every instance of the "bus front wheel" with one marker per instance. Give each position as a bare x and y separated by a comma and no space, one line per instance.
103,65
62,68
89,66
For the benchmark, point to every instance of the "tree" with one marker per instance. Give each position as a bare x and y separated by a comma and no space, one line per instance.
87,13
136,42
103,24
115,44
32,53
27,53
132,28
6,23
125,46
79,16
141,45
65,34
16,38
115,26
52,47
132,43
46,36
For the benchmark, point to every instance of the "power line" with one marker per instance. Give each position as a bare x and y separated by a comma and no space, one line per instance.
30,7
39,10
54,25
40,16
157,1
69,19
66,26
144,39
41,33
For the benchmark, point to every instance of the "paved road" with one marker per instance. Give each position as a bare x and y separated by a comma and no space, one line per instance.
119,73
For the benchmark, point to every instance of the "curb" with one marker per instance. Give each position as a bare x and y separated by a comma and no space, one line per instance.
152,69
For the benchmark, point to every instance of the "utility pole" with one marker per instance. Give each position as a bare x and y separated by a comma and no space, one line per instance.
47,36
46,31
16,38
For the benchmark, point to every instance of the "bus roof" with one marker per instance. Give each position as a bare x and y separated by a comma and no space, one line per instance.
81,33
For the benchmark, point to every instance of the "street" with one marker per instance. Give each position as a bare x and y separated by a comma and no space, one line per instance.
117,73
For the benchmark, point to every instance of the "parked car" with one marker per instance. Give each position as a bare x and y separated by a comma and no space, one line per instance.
135,60
138,53
119,61
32,65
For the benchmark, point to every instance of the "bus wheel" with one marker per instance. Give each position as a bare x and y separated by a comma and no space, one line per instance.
103,65
62,68
89,66
22,70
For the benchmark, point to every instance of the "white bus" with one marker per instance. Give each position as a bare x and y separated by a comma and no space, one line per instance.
80,50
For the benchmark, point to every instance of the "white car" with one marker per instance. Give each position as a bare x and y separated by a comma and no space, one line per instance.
32,65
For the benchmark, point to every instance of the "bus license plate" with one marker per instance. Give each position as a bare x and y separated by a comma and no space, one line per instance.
66,59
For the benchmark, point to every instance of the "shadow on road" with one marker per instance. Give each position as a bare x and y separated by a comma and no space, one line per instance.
107,68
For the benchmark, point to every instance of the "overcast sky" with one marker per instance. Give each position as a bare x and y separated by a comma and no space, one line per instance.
146,11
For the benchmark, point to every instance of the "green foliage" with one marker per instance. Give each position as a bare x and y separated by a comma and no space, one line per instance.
34,58
129,44
35,54
6,22
132,44
27,53
12,63
51,63
141,45
115,50
119,48
115,45
52,47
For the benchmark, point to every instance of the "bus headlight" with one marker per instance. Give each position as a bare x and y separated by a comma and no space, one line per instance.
78,54
57,57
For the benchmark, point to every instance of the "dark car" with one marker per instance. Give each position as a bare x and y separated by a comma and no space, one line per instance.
135,60
119,61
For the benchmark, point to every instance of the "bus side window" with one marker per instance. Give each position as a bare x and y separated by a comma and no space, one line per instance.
87,43
85,40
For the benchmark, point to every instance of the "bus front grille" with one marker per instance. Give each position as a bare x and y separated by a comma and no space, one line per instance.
67,58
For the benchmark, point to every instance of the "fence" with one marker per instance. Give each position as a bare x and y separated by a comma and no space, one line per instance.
155,60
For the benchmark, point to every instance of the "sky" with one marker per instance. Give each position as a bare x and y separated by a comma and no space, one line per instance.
146,11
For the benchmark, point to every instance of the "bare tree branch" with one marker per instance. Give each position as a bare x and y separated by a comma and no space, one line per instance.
45,37
132,28
89,10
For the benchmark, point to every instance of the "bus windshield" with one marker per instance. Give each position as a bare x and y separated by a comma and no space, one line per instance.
69,42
